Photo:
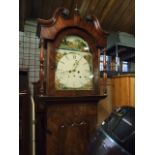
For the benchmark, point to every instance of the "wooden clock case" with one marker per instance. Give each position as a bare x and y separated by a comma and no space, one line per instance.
66,120
51,73
51,34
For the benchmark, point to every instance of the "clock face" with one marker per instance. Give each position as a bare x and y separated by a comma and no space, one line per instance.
74,69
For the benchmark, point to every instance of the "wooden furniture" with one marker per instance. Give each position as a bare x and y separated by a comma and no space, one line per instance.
123,90
67,97
24,114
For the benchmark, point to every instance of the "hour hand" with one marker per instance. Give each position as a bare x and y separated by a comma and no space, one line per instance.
76,64
66,71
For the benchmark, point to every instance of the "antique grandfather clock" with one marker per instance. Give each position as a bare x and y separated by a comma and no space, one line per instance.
66,110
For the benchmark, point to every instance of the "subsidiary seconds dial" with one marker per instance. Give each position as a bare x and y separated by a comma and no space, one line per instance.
74,72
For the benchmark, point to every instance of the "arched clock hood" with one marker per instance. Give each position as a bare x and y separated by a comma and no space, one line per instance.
62,19
53,30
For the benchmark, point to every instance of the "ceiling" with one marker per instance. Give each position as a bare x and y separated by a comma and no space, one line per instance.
113,15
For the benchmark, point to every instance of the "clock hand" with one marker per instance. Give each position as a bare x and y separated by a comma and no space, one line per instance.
76,64
66,71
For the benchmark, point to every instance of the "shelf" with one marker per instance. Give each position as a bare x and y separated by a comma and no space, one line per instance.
51,99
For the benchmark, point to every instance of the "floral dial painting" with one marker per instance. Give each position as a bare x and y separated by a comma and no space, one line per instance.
74,69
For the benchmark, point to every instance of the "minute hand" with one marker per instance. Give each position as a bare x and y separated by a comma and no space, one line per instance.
77,63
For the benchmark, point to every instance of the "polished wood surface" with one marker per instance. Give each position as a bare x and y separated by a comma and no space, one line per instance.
69,121
51,73
66,119
123,90
105,105
68,124
132,91
62,20
71,133
53,31
64,125
56,100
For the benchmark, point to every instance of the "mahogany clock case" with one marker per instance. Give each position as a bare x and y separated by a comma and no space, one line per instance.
66,119
52,32
51,50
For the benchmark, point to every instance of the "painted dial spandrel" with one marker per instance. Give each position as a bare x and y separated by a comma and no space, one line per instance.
74,65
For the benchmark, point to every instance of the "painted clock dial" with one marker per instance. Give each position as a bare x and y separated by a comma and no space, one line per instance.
74,69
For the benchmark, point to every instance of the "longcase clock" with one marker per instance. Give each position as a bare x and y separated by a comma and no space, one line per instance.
70,82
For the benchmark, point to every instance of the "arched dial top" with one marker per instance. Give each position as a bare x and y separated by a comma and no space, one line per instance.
74,65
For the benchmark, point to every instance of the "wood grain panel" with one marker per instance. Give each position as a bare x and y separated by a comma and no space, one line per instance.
104,107
107,10
113,15
123,91
117,18
126,16
68,127
92,6
109,19
84,7
100,7
132,91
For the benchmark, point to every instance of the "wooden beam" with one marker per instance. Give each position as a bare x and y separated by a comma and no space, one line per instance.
128,56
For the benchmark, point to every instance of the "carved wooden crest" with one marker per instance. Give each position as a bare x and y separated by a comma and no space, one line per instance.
62,20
